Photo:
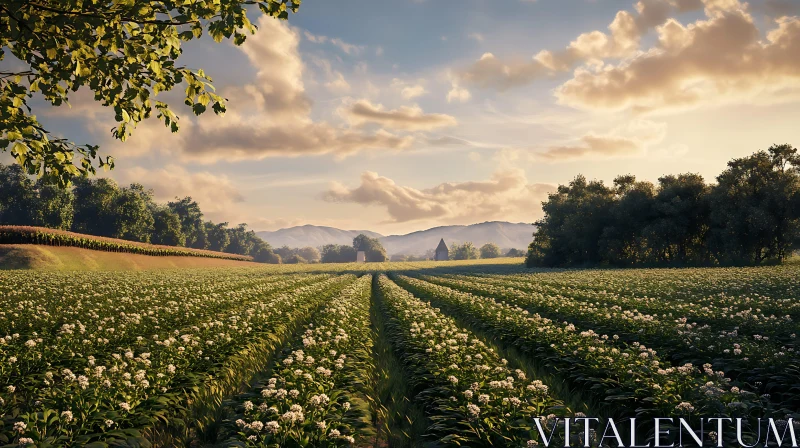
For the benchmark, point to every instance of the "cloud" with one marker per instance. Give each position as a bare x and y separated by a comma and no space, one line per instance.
214,193
622,40
719,60
476,36
409,91
405,118
629,140
457,93
506,196
270,117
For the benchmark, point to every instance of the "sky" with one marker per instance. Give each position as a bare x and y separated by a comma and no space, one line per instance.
401,115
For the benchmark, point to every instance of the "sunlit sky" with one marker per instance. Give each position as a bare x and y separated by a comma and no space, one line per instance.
400,115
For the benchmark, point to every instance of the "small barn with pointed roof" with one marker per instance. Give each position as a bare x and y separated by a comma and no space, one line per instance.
442,252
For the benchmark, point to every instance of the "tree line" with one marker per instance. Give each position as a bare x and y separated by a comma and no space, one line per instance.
465,251
750,216
101,207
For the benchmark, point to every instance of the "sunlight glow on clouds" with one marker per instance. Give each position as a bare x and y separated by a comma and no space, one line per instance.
507,194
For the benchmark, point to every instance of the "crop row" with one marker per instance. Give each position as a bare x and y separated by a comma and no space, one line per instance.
135,387
313,396
752,315
471,395
68,332
721,287
627,377
53,237
744,357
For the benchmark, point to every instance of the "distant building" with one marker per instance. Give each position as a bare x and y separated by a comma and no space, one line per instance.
442,252
361,257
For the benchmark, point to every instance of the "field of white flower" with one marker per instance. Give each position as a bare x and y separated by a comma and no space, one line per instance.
416,354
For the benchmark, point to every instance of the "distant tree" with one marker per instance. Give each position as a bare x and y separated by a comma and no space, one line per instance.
373,249
133,214
466,251
17,194
166,227
399,257
95,202
335,253
311,254
264,254
515,253
285,252
192,224
490,250
217,236
295,259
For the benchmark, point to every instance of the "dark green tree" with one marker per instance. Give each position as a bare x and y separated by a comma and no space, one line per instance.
52,206
167,227
133,214
575,217
17,194
677,233
124,52
240,241
192,225
95,200
217,236
622,242
752,214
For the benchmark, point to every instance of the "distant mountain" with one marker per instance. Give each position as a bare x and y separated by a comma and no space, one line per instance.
314,236
505,234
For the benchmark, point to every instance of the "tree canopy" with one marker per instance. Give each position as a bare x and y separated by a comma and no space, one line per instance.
125,52
373,249
490,250
465,251
101,207
749,216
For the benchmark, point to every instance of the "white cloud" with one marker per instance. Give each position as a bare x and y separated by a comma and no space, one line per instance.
214,193
631,139
506,196
405,118
719,60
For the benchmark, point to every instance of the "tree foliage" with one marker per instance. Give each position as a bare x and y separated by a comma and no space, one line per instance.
515,253
125,52
490,250
465,251
102,208
373,249
336,253
750,216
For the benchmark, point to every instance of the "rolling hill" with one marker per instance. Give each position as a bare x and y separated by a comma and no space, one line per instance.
505,234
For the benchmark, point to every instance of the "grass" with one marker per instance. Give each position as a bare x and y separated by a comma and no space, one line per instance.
54,258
